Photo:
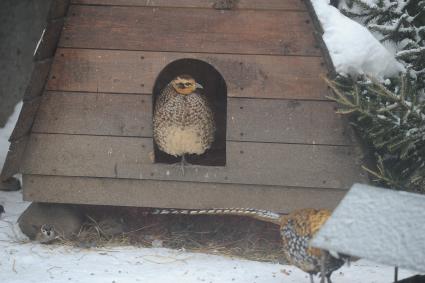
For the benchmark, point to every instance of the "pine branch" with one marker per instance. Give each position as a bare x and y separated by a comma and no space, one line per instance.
405,54
392,123
391,117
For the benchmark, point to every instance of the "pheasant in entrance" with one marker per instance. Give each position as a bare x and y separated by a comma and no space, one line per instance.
183,122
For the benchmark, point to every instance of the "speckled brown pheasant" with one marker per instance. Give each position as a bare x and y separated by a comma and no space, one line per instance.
296,229
183,122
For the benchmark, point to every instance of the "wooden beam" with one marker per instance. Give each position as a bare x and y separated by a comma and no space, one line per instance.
135,72
38,79
241,4
148,193
247,163
255,120
26,119
184,30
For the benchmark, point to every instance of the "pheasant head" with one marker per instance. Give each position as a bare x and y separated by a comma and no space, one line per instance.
185,84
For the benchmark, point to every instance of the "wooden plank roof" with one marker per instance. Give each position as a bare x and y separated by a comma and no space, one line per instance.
247,162
153,193
241,4
271,32
292,77
255,120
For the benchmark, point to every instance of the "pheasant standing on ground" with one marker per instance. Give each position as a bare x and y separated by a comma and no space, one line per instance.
183,122
296,229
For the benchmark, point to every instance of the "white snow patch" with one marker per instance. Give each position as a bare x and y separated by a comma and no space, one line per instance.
6,132
22,261
378,224
353,49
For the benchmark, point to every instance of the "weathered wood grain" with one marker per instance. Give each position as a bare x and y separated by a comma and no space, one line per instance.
286,121
38,79
241,4
95,114
14,158
256,120
135,72
187,30
247,163
26,119
149,193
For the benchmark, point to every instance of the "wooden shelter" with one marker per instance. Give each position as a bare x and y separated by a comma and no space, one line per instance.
85,132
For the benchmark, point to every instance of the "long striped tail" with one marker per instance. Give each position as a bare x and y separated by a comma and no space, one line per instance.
260,214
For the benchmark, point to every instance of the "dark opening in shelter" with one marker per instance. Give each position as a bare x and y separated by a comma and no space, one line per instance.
215,90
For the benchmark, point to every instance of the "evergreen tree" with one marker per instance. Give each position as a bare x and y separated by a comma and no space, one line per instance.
401,22
392,124
390,115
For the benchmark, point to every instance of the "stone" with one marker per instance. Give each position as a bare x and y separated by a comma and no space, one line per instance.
11,184
66,219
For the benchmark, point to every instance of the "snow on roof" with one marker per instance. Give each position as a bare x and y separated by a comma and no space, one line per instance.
353,49
377,224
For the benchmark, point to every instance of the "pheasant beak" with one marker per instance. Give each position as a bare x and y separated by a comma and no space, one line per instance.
199,86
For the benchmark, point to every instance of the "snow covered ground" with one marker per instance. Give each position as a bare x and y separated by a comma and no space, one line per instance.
24,261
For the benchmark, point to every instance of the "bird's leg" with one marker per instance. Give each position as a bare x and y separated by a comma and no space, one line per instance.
323,266
183,163
328,278
323,262
311,278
